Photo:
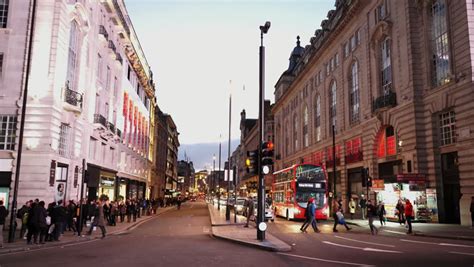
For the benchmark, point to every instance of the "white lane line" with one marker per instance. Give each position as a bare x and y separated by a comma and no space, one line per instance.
455,245
325,260
462,253
370,243
359,248
419,242
395,232
438,244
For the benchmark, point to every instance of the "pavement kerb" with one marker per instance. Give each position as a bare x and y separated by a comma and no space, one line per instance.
80,240
261,245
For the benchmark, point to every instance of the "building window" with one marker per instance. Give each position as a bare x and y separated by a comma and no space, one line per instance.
92,148
108,77
64,140
3,13
381,12
7,132
354,94
317,118
447,128
440,43
99,67
295,132
73,56
305,127
386,67
1,64
346,49
332,105
386,142
287,139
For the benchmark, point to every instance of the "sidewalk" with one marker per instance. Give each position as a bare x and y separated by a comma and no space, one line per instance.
69,238
447,231
235,232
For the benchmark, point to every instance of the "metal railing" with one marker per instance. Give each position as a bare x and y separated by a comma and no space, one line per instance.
354,157
100,120
111,127
103,32
386,101
73,98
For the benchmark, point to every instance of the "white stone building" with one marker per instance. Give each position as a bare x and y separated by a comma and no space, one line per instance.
90,96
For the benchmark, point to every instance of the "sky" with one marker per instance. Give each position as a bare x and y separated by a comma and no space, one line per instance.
201,52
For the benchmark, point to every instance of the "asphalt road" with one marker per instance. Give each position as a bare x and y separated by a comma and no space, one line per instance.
182,238
358,248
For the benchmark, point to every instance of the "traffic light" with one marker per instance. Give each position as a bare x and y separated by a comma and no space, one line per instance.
366,179
251,161
267,153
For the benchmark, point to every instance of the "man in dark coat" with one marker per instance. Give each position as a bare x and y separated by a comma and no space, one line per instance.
250,210
59,217
3,215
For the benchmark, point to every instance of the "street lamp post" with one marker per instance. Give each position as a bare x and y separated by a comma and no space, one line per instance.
227,210
11,232
219,179
261,226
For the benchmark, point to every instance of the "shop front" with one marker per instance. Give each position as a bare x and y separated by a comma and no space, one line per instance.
407,186
107,186
5,181
100,181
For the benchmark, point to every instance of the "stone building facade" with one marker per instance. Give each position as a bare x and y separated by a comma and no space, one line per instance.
396,79
91,97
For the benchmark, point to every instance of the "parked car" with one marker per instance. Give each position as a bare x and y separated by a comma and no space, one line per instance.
269,214
239,205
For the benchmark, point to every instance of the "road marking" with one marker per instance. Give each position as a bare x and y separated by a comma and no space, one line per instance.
395,232
359,248
438,244
325,260
370,243
462,253
455,245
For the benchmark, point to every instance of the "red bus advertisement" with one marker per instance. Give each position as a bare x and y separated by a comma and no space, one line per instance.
293,186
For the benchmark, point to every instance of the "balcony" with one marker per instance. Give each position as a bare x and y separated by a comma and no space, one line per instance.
103,32
111,127
99,119
73,98
118,57
354,157
384,102
112,46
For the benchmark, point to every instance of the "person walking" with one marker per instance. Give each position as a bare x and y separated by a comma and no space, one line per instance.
363,206
337,207
40,214
113,213
306,217
400,212
22,214
99,220
381,213
352,208
311,210
179,202
59,217
3,215
122,211
371,214
32,225
250,207
409,214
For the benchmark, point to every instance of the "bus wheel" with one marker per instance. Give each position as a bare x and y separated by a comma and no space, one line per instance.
287,215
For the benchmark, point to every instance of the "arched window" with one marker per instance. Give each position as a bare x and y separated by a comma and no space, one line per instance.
354,101
439,43
295,132
73,56
317,118
332,105
305,127
287,139
385,67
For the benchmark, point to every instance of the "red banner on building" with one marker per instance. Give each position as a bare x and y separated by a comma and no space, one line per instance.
125,104
411,177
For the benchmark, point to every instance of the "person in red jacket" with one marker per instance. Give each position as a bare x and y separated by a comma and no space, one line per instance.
409,214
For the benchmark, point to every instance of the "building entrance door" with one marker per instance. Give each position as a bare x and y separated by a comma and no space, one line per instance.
451,188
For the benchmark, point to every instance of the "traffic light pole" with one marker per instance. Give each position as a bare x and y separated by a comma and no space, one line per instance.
261,184
81,205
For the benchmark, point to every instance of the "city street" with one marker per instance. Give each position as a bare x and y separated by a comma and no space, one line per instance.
182,237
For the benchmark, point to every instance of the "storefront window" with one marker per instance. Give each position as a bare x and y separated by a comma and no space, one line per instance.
386,144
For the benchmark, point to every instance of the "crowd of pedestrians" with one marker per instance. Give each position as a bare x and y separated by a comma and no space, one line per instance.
41,223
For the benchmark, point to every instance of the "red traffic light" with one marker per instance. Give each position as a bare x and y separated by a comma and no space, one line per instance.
268,145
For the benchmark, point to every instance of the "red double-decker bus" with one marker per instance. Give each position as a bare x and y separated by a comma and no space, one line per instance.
293,186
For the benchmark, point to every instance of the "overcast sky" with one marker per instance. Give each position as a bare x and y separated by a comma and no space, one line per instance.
196,47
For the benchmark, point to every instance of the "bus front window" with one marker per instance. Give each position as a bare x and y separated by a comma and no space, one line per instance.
302,198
